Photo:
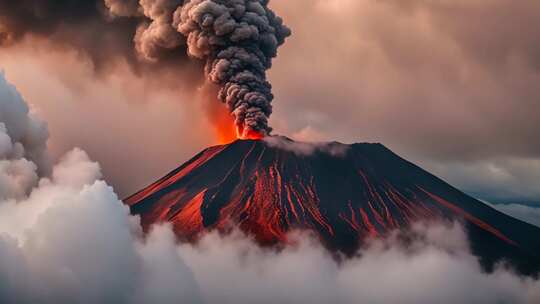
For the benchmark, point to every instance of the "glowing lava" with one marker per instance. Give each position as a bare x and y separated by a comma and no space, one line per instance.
365,192
248,135
225,130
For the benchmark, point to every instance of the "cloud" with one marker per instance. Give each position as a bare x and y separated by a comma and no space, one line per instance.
75,242
233,270
66,238
74,24
136,129
71,240
21,133
527,214
433,78
23,145
306,148
500,180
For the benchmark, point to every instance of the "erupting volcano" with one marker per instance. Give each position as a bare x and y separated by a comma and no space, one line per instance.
342,193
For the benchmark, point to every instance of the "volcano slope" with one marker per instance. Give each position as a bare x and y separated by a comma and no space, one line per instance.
342,193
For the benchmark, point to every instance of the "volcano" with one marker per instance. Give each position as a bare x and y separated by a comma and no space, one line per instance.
344,194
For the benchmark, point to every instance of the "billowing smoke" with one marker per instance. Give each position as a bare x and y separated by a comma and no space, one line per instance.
236,38
67,238
107,43
79,24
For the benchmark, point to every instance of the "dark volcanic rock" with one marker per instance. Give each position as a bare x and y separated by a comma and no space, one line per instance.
342,193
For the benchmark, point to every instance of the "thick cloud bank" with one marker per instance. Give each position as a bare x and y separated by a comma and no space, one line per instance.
23,144
434,268
67,238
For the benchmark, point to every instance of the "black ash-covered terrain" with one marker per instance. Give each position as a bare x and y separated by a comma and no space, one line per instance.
342,193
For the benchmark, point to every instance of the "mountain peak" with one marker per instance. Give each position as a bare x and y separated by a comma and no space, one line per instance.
342,193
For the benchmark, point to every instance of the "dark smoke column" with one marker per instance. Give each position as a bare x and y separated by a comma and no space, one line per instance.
238,39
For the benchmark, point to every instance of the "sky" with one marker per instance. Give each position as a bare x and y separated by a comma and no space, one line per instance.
449,85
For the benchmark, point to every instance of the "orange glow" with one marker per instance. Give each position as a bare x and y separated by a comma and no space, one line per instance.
226,131
218,115
253,135
224,127
222,121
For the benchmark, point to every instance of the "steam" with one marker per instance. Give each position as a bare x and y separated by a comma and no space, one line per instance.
307,148
236,38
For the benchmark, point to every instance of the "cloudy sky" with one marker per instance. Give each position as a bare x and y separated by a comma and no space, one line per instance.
450,85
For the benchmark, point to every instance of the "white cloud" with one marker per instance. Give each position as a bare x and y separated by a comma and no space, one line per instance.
73,241
306,148
435,268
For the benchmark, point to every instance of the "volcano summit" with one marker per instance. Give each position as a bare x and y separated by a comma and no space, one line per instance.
342,193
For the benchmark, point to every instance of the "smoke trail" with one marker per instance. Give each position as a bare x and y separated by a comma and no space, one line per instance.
236,38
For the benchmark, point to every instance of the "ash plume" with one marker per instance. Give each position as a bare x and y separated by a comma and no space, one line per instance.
236,39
